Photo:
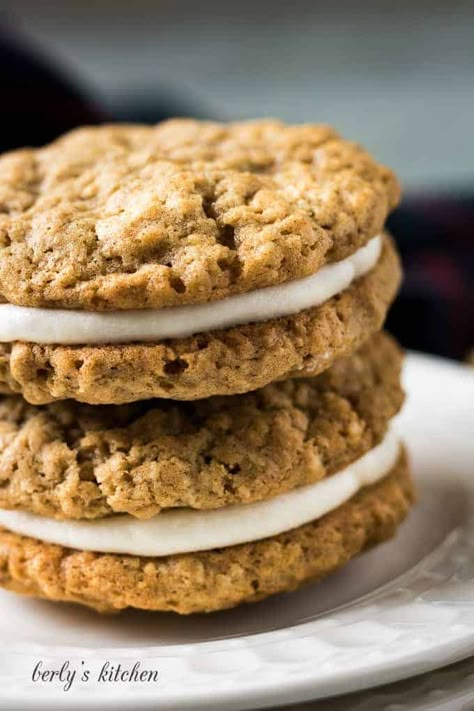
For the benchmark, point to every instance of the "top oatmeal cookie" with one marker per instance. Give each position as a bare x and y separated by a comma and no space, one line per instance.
134,217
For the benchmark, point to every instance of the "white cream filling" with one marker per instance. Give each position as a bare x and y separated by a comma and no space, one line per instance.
66,326
188,530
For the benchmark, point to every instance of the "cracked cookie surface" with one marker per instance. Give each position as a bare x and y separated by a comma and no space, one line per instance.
124,217
210,580
69,460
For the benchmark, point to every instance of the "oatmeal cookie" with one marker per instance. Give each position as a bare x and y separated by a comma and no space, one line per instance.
137,217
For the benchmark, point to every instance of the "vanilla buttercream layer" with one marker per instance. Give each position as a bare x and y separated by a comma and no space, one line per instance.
189,530
68,327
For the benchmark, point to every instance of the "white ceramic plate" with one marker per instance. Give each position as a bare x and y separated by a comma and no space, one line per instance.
450,688
399,610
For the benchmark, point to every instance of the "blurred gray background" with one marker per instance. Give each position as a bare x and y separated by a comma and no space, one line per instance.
397,77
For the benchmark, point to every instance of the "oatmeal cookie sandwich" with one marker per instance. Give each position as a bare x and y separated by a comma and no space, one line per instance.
200,506
188,260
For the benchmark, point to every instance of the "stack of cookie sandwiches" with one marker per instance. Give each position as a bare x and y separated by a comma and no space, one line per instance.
197,397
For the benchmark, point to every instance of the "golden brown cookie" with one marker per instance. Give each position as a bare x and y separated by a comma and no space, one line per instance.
211,580
69,460
223,362
133,217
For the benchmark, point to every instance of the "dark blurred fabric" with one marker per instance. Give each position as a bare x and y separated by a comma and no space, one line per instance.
435,309
39,102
